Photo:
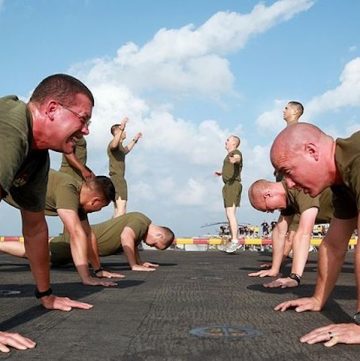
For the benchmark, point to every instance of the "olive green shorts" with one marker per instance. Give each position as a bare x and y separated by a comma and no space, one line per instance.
60,252
232,194
120,187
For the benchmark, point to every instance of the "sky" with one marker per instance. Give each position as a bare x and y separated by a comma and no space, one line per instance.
187,74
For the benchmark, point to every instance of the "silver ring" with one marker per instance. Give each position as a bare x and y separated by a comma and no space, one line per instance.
331,335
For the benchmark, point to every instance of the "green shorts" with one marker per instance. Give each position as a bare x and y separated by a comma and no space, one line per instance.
120,187
232,194
60,251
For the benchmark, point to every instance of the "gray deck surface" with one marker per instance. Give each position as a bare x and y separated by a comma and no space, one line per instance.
150,316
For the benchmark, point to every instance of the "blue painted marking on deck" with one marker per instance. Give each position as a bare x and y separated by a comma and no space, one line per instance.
225,331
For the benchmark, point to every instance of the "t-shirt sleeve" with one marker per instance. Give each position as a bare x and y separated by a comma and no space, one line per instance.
305,201
12,155
355,181
31,196
344,203
139,229
67,197
298,202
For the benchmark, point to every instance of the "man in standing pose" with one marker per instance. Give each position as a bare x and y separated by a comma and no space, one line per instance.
232,188
116,153
57,114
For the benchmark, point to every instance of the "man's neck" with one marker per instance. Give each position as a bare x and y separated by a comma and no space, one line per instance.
37,130
291,121
336,176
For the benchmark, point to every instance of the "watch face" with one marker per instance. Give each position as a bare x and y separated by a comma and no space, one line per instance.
356,318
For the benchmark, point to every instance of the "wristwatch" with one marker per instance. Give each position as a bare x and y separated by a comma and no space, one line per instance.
356,318
295,277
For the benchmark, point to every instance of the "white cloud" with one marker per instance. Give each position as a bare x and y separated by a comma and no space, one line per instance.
272,120
346,94
172,166
144,191
189,60
194,193
170,171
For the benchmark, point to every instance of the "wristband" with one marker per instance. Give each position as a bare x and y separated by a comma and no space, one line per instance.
295,277
39,294
135,140
98,270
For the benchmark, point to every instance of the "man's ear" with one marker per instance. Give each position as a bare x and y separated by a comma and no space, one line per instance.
51,107
95,200
160,235
267,193
312,150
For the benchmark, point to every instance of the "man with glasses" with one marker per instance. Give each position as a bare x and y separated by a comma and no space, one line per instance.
56,116
313,161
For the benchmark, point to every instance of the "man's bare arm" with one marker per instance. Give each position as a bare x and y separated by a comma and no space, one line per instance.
93,254
278,242
117,138
37,249
331,257
131,145
128,243
301,243
79,245
74,162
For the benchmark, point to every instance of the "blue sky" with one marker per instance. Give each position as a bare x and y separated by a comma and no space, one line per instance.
188,74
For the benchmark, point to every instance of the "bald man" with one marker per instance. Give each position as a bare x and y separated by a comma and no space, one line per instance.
232,188
294,205
313,160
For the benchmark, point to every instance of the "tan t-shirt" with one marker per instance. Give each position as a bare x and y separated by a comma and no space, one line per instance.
107,235
63,193
116,161
346,198
23,171
298,202
231,172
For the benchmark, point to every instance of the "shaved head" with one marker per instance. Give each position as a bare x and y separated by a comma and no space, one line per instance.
305,155
267,196
256,194
298,106
292,140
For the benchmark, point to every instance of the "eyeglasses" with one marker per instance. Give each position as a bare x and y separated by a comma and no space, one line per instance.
83,120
